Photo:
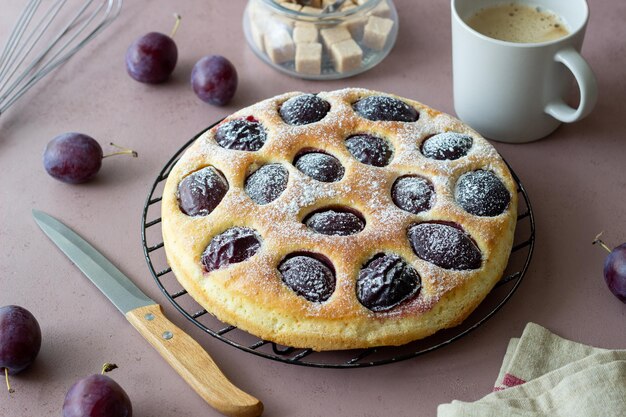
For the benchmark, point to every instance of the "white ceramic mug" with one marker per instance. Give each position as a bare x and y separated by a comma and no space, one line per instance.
513,92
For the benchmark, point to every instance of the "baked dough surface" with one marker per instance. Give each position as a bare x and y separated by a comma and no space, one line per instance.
251,294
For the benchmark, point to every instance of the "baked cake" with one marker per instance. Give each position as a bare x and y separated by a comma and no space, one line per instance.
345,219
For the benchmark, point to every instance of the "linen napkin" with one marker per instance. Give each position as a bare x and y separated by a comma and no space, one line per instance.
543,374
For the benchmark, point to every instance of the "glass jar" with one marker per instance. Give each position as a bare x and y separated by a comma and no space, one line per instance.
315,43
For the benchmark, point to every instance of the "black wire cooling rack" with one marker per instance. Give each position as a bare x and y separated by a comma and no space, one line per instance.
519,260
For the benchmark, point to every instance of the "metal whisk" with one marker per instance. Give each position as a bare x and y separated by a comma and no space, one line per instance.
35,49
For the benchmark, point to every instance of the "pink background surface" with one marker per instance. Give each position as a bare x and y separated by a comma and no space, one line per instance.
575,179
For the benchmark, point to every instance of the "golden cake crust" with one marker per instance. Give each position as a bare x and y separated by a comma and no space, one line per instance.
251,294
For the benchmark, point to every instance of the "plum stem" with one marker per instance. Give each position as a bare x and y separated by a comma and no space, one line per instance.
600,242
176,24
122,151
108,367
6,378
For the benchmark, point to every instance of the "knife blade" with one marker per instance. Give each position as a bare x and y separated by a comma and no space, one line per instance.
181,351
111,281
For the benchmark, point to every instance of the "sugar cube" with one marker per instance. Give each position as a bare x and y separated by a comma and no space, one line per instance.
279,46
309,58
334,35
346,55
305,34
376,32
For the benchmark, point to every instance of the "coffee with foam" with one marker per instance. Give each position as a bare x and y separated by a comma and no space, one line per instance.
513,22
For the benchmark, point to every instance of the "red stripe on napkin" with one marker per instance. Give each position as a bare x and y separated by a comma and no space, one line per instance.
511,381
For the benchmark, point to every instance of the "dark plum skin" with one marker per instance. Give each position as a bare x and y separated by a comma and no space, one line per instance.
308,277
201,191
447,146
481,193
370,150
20,338
214,80
444,245
413,194
241,134
151,58
304,109
267,183
615,272
334,222
73,158
385,282
97,396
320,166
230,247
384,108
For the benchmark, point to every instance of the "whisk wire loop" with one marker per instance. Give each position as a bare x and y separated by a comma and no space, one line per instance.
30,53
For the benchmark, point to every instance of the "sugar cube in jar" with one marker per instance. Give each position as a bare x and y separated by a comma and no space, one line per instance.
321,39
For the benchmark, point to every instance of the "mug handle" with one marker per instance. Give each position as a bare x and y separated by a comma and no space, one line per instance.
586,83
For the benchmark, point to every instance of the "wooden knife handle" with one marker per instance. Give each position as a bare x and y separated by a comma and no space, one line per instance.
193,363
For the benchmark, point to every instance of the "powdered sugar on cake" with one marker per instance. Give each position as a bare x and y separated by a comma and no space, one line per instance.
306,188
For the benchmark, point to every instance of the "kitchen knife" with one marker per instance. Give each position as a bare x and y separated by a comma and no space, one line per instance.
182,352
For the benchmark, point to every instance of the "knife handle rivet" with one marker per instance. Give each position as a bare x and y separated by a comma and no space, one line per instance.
167,335
149,316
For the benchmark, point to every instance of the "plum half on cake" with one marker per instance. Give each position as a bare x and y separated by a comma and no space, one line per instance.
338,220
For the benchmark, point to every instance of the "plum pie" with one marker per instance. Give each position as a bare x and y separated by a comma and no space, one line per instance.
339,220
